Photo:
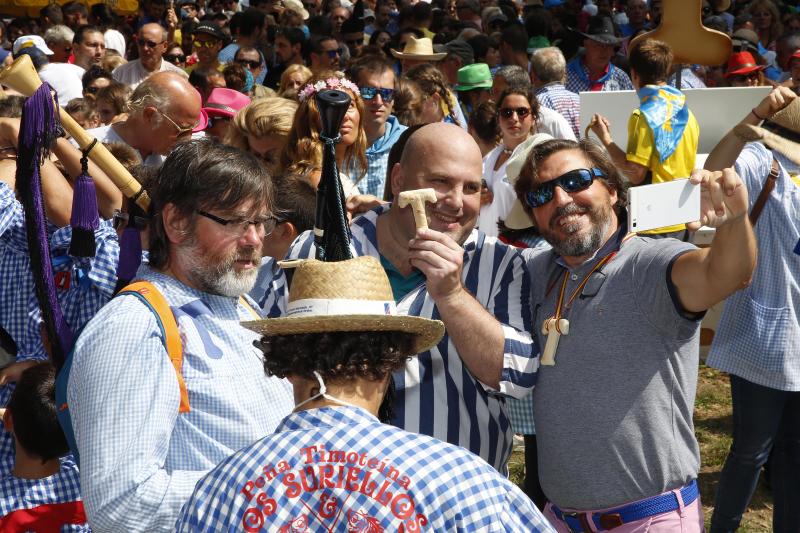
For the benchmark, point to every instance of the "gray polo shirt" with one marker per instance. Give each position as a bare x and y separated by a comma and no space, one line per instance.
614,415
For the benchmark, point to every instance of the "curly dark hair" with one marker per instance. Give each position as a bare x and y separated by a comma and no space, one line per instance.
337,355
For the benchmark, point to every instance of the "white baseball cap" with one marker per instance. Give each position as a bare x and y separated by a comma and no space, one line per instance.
30,40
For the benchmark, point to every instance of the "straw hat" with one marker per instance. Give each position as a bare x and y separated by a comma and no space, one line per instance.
517,218
352,295
780,133
420,49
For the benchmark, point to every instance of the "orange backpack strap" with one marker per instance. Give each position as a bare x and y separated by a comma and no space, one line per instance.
169,327
246,305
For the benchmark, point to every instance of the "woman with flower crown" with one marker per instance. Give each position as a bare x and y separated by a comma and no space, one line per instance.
303,152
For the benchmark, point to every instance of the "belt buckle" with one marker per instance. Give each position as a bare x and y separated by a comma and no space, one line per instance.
577,516
610,520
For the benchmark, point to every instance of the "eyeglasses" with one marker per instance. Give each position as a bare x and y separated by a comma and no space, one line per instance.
238,226
354,43
182,130
571,182
253,64
91,90
68,49
508,112
205,44
174,59
744,78
213,120
368,93
122,220
144,43
332,53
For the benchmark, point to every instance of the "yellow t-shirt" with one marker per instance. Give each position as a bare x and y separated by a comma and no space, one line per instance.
642,150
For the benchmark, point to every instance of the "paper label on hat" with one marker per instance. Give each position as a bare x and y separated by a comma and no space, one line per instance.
324,307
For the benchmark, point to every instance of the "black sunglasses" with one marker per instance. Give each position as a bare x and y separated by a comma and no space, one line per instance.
249,63
332,53
172,58
573,181
214,119
148,44
508,112
368,93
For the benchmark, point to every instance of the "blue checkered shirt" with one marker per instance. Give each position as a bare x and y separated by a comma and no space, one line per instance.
270,291
377,154
578,78
140,457
17,494
556,97
758,336
436,394
340,469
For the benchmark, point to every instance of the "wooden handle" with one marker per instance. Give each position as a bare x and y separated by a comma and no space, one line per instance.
420,217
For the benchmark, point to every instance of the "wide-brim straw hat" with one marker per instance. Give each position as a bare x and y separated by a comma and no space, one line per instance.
420,49
780,133
517,218
353,295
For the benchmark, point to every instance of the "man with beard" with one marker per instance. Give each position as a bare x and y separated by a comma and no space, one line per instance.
142,448
452,272
614,414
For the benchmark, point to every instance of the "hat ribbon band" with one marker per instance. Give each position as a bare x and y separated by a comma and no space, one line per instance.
221,107
777,129
339,306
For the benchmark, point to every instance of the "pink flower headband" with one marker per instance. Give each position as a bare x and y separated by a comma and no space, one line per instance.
331,83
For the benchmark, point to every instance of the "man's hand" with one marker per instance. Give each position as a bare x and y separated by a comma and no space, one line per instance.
13,372
440,259
172,18
361,203
723,197
776,100
602,128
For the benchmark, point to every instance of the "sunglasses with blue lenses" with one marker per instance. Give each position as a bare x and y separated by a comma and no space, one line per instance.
573,181
368,93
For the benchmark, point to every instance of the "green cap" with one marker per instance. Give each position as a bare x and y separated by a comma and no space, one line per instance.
475,76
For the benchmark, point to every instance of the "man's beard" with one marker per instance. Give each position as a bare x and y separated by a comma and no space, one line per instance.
577,244
217,275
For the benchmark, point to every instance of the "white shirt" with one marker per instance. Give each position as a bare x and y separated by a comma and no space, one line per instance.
133,73
553,123
502,191
107,134
65,79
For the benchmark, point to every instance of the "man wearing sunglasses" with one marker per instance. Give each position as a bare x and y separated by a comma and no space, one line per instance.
164,109
58,39
376,82
248,28
211,213
614,413
324,54
151,41
207,39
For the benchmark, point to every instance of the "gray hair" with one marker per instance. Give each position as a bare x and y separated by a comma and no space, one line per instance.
549,65
148,94
59,34
514,75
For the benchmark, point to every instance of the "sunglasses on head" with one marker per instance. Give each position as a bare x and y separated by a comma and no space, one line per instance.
368,93
206,44
172,58
508,112
249,63
571,182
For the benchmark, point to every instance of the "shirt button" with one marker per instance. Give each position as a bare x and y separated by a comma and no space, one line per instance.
573,277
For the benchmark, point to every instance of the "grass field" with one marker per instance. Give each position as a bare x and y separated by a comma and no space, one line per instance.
712,420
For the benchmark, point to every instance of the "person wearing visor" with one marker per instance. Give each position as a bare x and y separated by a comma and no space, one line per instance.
331,465
619,317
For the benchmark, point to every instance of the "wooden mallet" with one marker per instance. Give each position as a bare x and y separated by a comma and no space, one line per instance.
417,199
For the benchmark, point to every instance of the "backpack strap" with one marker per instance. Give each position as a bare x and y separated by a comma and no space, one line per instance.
766,189
150,295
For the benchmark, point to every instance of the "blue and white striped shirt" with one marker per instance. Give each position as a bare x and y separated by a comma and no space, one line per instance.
758,336
340,469
140,457
270,289
436,394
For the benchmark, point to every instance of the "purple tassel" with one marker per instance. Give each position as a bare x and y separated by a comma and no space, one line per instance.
84,219
130,256
38,130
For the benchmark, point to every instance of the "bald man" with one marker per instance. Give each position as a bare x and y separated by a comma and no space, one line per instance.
163,110
151,42
475,284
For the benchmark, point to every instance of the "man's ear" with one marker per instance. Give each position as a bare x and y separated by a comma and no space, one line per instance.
176,225
149,112
396,179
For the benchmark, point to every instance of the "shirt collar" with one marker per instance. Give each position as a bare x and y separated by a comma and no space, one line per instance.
325,417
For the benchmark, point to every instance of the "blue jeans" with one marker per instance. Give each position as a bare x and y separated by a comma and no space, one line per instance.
764,419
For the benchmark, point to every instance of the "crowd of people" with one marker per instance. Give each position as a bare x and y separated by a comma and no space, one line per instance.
196,369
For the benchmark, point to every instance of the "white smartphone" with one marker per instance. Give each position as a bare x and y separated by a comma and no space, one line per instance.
663,204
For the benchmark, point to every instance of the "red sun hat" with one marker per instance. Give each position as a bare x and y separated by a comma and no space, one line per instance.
742,63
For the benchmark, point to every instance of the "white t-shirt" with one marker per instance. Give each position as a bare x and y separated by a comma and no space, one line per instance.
553,123
501,189
65,79
107,134
133,73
